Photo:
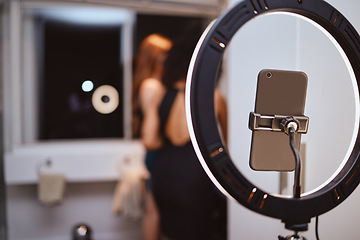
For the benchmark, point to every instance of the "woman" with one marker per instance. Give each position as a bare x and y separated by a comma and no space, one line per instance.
147,94
189,204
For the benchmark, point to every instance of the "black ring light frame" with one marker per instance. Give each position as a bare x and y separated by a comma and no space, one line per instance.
203,124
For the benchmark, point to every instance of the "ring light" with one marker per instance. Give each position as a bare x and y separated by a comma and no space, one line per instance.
105,99
202,123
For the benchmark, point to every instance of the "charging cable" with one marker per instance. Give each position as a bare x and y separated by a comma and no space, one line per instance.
290,126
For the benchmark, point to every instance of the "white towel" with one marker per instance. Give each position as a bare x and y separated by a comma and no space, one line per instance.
51,185
129,191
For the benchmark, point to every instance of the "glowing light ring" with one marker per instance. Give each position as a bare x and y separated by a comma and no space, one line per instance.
105,107
203,126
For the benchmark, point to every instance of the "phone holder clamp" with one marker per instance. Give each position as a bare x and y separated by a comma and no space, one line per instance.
277,123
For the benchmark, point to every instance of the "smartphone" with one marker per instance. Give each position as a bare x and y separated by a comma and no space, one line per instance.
278,92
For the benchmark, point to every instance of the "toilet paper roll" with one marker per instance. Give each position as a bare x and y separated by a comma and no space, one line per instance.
51,187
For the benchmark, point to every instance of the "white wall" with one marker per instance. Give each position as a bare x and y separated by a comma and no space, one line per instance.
287,42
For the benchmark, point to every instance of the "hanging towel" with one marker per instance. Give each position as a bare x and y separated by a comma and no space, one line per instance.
129,191
51,185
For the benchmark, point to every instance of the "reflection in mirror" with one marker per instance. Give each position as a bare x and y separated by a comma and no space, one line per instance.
57,63
72,54
76,45
331,95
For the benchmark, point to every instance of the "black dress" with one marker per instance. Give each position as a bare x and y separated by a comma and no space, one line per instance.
190,206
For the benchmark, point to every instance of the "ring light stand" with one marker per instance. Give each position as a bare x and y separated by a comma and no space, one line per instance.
296,213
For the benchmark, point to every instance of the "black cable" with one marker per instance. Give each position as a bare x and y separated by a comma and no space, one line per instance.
317,227
297,187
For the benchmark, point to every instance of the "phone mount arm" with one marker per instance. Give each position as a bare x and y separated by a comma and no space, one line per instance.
259,122
289,125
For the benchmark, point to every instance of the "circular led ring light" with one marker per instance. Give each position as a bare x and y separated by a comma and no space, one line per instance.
203,125
112,96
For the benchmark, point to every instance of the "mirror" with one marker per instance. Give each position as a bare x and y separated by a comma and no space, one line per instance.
89,159
66,48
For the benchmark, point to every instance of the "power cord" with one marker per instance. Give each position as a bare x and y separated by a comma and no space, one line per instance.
290,125
297,187
317,228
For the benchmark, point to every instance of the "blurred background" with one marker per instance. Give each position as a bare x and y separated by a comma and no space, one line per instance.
57,54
